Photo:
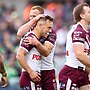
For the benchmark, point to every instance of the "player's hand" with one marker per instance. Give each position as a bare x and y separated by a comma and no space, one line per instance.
89,76
30,41
35,76
39,16
4,81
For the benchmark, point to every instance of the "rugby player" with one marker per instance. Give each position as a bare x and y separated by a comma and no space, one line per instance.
28,56
73,75
46,49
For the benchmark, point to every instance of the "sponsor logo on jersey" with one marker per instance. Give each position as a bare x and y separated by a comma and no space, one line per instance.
37,57
77,36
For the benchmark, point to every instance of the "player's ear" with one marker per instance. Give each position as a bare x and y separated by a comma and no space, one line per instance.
41,25
82,16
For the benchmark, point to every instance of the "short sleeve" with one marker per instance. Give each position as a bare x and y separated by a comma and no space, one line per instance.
52,37
78,36
23,45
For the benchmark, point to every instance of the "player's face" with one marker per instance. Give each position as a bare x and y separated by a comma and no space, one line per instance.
47,28
87,14
34,13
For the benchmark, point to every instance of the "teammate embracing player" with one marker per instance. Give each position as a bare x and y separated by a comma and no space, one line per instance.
45,46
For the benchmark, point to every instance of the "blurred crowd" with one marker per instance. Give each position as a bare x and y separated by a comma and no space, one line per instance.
11,20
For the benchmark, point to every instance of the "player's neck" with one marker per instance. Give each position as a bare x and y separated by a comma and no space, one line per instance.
37,33
85,24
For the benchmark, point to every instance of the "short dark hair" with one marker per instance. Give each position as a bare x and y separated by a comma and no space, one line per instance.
78,10
45,18
48,17
39,8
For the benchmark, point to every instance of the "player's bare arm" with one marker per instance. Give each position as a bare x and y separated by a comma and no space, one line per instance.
43,49
26,27
87,69
4,78
81,56
22,60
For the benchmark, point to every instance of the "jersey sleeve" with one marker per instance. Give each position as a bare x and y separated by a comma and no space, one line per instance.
78,36
23,44
52,38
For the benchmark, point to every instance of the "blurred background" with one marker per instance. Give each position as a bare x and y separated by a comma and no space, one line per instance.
14,13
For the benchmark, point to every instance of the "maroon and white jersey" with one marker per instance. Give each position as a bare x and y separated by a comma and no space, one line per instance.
33,57
47,62
77,35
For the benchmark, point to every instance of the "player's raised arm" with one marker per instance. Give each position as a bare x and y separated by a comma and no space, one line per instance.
36,11
26,27
4,78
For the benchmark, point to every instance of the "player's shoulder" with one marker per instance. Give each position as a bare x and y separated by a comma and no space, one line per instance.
52,35
77,29
53,32
30,34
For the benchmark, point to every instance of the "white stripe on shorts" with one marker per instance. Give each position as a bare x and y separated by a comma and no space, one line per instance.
32,85
68,85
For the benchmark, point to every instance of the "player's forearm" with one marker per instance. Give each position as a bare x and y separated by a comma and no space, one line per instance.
83,58
24,29
87,69
43,49
2,69
23,63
